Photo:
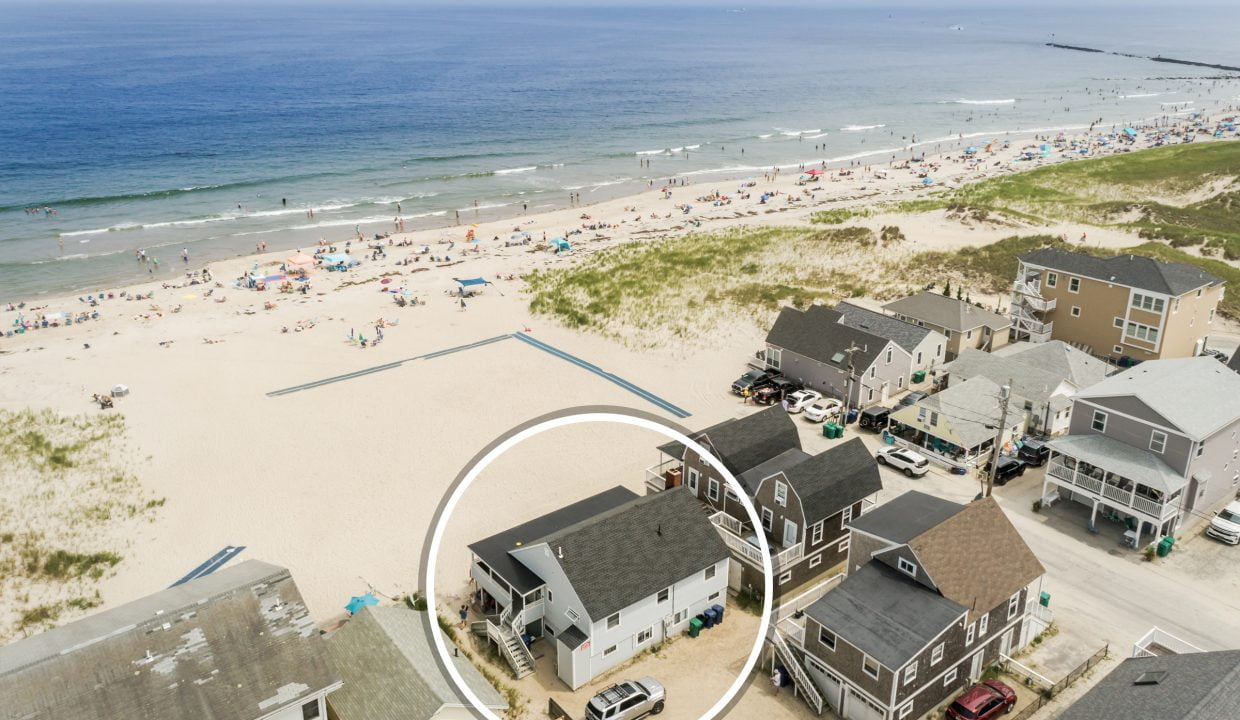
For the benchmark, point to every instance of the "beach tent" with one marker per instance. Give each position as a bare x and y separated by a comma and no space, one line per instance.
472,281
1046,150
357,603
927,181
560,244
971,150
1130,132
338,260
300,261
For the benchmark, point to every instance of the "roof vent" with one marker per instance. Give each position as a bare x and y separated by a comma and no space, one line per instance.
559,552
1152,677
659,530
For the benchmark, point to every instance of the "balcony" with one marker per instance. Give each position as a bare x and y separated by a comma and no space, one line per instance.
663,476
1120,492
735,537
1158,642
1029,293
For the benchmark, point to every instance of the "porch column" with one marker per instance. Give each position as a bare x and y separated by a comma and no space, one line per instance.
1045,481
1093,514
1136,544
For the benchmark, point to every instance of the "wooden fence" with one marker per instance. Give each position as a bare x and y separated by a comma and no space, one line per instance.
1046,695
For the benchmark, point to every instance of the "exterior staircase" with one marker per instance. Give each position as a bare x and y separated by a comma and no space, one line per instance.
506,633
788,656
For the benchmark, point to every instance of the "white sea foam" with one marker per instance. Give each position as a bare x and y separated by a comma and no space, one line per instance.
511,171
796,133
815,137
1142,95
861,128
962,101
692,147
1181,102
490,206
651,152
597,185
763,137
719,171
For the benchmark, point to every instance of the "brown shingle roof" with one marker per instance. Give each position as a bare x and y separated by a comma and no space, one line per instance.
976,557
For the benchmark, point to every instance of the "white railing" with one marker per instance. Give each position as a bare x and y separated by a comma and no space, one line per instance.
1061,471
1160,642
1039,612
788,557
1030,676
1150,507
742,547
655,480
724,520
1112,492
788,608
1126,498
1091,484
1031,294
810,691
1026,320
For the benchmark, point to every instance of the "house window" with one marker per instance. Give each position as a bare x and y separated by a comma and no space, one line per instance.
910,673
693,481
869,666
613,621
730,495
938,350
845,516
1099,422
1051,279
571,614
644,636
827,638
873,370
550,597
869,394
843,546
609,651
1145,302
936,655
921,414
781,494
310,710
983,624
888,360
900,381
1141,332
768,518
947,333
969,633
1211,319
1076,311
785,577
774,356
1013,605
1118,322
906,710
1158,441
664,595
710,572
816,560
815,533
713,596
907,567
918,357
934,419
1117,350
712,489
949,678
680,617
1074,284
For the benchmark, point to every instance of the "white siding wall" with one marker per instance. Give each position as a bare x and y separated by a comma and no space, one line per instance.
931,342
538,558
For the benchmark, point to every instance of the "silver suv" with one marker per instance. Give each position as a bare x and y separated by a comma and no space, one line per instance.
627,700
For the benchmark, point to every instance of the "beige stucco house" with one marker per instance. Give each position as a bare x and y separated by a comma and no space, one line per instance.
964,324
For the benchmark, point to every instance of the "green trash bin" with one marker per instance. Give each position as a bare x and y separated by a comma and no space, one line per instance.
1164,546
919,376
1044,599
828,430
837,431
695,627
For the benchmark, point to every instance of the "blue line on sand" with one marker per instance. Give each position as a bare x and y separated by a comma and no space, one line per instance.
214,563
379,368
644,394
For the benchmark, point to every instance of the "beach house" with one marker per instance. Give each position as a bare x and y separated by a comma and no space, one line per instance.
936,593
1124,306
598,581
390,672
926,346
1150,448
815,349
964,324
1191,685
958,426
237,644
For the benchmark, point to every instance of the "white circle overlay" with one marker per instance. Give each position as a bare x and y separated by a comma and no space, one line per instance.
437,634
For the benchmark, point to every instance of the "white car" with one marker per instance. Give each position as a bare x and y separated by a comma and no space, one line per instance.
797,401
1226,525
911,463
823,410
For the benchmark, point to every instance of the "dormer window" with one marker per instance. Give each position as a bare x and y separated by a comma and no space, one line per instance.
907,567
781,494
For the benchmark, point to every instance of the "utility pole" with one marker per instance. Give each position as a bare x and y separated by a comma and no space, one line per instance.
1005,392
852,348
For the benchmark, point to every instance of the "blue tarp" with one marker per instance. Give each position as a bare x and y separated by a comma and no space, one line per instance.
1130,132
472,281
561,244
357,603
337,259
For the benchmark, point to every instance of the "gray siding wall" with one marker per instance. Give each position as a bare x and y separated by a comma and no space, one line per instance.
846,661
1221,459
933,350
706,473
791,511
862,547
1131,432
826,379
898,371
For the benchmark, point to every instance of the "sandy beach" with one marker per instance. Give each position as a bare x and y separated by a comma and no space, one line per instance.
339,481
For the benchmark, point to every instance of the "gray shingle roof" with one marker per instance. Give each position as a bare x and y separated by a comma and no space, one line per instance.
971,409
905,517
787,459
955,315
1197,686
835,479
746,442
1035,373
494,549
905,334
388,665
1057,357
817,333
623,555
1199,395
886,615
1132,270
238,644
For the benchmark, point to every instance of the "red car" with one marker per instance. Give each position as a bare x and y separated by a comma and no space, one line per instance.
984,701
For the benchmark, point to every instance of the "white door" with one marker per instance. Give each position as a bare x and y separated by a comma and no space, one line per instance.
734,576
883,399
975,671
790,533
1005,642
857,707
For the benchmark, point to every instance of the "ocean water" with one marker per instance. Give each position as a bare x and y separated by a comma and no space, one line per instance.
215,127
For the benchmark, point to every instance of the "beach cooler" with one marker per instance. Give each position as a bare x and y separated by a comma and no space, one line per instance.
718,613
710,618
120,390
695,627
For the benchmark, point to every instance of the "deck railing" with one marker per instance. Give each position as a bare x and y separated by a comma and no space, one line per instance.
1124,498
1160,642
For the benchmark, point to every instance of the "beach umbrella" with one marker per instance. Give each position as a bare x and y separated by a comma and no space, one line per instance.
927,181
971,149
357,603
815,171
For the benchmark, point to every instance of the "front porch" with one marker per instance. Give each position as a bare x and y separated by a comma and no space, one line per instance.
938,449
743,542
1132,487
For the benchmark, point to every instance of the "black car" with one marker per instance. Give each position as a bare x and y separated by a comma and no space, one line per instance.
1034,452
753,380
875,418
775,391
912,398
1009,467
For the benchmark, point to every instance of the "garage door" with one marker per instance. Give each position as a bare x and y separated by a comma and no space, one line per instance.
828,684
856,707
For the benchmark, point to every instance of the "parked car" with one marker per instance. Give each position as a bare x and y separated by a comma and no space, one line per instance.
753,380
911,463
1008,468
875,418
627,700
1226,525
913,398
1216,354
797,401
823,410
986,700
1034,452
774,391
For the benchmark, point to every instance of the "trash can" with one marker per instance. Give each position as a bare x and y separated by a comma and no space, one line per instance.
718,613
919,376
852,416
695,627
1164,546
710,618
1044,599
828,430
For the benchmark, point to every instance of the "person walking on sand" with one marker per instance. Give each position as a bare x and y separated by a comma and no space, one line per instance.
462,303
464,615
